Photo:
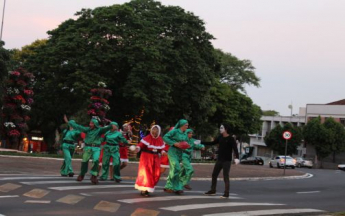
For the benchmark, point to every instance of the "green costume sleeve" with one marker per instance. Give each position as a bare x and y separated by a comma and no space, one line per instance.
199,146
123,139
168,138
104,129
74,125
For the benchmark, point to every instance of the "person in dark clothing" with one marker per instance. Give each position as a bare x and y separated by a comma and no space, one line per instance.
227,145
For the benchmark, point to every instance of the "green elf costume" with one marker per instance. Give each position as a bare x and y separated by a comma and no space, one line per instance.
111,149
173,137
187,170
92,148
69,141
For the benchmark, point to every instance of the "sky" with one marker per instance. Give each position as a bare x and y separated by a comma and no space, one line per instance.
296,46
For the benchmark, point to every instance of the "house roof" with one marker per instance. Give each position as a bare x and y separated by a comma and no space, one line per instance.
339,102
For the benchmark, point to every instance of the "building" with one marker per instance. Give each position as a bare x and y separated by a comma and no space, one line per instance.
335,110
270,122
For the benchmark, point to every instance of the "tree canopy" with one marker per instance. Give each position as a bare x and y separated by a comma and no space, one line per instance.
153,57
275,141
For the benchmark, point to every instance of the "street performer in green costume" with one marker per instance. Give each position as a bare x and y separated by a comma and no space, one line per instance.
69,140
174,138
111,149
92,146
187,170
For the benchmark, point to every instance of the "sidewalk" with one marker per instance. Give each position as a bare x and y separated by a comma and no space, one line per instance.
51,166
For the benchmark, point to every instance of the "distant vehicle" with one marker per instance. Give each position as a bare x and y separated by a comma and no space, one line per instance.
279,162
303,162
341,167
253,161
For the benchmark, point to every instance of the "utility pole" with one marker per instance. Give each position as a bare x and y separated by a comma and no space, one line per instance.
2,22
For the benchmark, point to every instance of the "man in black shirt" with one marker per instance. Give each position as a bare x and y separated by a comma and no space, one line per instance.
227,145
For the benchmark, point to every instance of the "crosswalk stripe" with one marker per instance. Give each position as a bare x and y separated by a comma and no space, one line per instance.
32,177
167,198
9,187
214,205
36,193
9,196
107,206
267,212
89,187
38,201
70,199
49,182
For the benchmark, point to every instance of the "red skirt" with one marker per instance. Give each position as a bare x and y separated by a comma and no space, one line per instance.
123,154
165,161
148,172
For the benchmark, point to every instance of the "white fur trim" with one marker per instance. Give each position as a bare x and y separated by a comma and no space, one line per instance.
152,146
159,130
165,166
141,188
124,160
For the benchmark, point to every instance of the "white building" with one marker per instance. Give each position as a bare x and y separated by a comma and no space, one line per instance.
270,122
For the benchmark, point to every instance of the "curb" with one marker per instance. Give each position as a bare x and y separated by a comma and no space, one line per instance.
305,176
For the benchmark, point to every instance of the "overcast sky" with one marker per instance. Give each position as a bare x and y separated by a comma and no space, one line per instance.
296,46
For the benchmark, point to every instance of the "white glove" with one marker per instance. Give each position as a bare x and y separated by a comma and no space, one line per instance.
237,161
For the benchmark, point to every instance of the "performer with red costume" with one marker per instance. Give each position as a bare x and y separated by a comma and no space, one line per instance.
127,133
149,166
164,158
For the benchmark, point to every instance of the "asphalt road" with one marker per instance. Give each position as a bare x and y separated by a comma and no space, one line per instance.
40,194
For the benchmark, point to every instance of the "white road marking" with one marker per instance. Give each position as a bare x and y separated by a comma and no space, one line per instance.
266,212
214,205
308,192
49,182
9,196
167,198
2,215
38,201
89,187
31,177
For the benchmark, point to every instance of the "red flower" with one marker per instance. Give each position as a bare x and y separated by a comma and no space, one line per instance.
95,98
26,118
14,133
28,92
105,101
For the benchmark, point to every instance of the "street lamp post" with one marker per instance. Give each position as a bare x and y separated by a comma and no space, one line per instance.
2,22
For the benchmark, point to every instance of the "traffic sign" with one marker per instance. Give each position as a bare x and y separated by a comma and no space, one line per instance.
287,135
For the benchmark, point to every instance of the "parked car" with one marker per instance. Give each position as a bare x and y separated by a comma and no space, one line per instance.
253,161
341,167
279,162
303,162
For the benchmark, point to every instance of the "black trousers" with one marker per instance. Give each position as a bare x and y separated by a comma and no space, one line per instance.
225,165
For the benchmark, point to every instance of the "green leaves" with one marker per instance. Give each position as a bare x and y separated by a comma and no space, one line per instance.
275,141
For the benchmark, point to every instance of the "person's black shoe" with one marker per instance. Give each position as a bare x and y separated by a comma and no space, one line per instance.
144,193
168,190
71,174
225,196
179,192
188,187
210,193
80,178
118,180
64,175
94,179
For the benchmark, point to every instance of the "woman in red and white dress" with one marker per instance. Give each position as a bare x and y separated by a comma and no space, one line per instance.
164,158
127,133
151,147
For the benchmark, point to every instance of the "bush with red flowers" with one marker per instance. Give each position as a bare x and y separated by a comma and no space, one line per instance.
99,105
17,103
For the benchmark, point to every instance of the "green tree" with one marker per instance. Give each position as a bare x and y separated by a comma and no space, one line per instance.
155,57
4,58
335,136
270,113
316,134
235,72
275,141
236,109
